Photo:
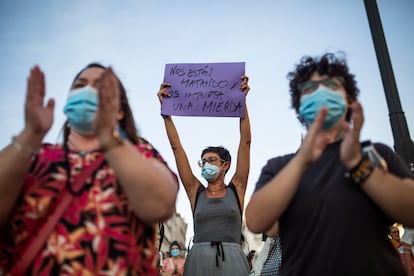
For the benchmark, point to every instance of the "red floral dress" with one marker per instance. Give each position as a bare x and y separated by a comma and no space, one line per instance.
97,235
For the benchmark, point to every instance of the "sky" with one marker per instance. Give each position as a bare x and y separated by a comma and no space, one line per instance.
138,37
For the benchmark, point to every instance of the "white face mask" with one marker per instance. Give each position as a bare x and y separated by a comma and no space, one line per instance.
209,172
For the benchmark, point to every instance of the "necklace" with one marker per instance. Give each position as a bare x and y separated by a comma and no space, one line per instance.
216,191
81,144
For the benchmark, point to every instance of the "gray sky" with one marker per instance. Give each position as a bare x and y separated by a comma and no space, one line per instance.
139,37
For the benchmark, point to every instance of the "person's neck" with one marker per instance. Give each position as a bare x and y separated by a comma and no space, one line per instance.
82,143
216,187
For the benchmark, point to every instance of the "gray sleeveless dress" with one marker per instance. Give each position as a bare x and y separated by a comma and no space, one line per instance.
217,231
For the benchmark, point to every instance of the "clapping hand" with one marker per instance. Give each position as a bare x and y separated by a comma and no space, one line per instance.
109,109
350,147
38,117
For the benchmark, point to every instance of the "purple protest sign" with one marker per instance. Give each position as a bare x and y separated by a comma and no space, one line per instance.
204,89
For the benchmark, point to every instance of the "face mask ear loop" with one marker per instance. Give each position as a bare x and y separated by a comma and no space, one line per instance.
221,167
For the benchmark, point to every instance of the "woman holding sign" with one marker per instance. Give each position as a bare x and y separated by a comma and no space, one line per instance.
217,208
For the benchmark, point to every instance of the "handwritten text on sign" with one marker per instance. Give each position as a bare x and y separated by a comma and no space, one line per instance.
204,89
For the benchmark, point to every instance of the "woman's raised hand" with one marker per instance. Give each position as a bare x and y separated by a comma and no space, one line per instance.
38,117
163,92
109,106
244,86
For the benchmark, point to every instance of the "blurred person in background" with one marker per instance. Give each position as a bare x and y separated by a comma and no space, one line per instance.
174,264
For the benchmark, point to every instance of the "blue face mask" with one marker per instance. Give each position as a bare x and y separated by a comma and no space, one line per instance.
81,108
209,172
175,252
311,104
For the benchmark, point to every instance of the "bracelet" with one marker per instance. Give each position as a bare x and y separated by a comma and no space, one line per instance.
165,116
362,170
370,160
22,148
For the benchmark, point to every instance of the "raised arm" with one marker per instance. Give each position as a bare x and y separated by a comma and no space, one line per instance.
189,180
15,158
243,153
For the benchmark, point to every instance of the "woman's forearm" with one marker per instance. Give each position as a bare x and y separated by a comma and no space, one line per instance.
14,164
393,195
275,195
150,186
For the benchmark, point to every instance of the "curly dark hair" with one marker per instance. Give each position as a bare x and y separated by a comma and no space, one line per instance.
221,151
328,64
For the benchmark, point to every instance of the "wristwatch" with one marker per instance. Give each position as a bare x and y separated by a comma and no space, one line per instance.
370,160
374,157
115,141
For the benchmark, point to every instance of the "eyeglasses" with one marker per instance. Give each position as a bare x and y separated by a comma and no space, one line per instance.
308,87
209,160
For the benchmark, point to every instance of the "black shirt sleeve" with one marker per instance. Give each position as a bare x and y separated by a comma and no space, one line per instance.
396,165
272,168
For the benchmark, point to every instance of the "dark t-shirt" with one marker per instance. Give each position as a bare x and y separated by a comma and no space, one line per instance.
331,227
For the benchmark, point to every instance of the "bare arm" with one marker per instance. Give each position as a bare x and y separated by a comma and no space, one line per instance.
15,159
14,165
275,195
273,231
150,186
243,153
395,196
278,192
190,182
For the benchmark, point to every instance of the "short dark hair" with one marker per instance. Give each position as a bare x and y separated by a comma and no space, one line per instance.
328,64
175,243
221,151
